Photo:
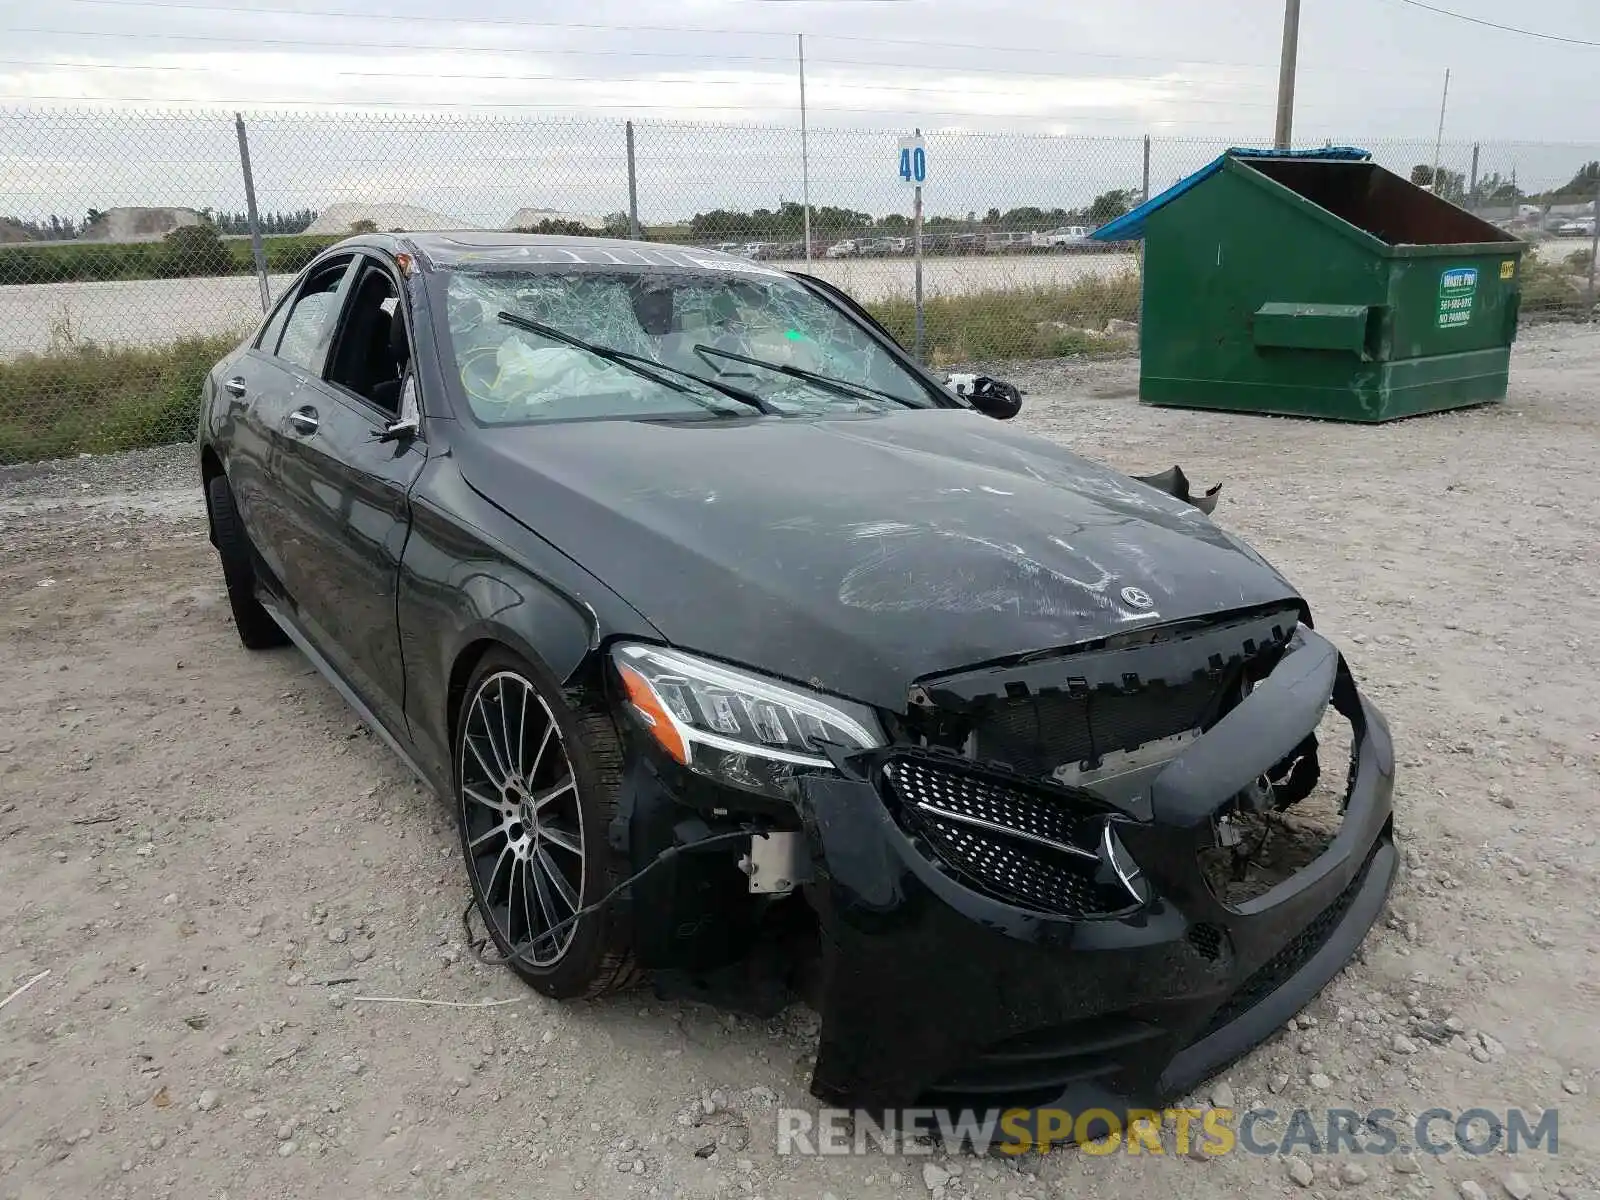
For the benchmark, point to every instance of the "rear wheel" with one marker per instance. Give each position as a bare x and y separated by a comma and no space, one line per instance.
257,630
536,787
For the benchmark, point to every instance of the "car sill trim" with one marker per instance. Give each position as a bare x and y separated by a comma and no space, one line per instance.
325,669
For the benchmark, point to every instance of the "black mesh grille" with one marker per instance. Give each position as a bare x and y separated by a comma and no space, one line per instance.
1207,941
1004,861
1272,974
990,800
1035,734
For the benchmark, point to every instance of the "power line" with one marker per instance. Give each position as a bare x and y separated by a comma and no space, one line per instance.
423,48
787,60
697,81
367,17
335,107
1533,33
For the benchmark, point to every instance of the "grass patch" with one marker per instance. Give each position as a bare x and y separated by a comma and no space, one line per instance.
1552,289
99,262
84,398
1042,322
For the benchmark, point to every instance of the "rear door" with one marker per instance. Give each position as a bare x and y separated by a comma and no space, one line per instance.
344,491
252,387
292,343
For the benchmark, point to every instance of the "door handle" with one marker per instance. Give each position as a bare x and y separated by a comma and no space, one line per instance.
235,385
304,421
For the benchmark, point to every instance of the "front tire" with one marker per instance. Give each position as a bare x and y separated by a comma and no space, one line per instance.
536,787
257,629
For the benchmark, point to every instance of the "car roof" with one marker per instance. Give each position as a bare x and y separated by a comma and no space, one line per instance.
445,250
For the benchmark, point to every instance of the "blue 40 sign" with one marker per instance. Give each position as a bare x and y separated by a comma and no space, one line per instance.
913,161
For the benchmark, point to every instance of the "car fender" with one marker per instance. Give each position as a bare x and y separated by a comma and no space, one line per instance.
470,574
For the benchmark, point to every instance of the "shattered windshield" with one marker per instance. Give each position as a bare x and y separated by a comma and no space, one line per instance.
676,318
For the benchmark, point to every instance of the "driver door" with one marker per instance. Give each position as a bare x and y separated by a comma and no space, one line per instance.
345,491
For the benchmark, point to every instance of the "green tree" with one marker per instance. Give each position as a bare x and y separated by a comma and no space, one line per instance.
1108,206
364,225
194,250
1493,189
564,228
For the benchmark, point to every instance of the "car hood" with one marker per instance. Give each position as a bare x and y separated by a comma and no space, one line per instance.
860,553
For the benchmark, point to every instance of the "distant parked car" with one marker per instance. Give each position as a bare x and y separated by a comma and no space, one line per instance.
1060,239
755,250
966,243
1008,242
1582,227
848,248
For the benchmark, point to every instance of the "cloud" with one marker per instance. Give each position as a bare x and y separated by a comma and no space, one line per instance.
1023,101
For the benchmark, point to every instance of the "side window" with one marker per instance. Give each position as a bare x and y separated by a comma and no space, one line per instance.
370,349
308,319
273,329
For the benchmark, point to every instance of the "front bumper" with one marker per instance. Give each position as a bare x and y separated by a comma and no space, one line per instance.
935,993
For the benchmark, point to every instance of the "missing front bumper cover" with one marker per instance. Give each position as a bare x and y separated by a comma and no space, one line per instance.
925,974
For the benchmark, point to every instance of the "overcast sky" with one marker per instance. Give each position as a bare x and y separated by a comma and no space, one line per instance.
1371,72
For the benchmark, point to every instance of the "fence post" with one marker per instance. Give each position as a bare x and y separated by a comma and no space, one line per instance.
1594,249
1146,168
1472,187
916,252
257,251
805,151
633,189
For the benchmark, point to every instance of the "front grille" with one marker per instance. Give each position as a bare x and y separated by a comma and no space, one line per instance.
1277,970
1035,734
1026,845
1039,1065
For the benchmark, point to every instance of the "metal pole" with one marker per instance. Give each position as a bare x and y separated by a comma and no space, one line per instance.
633,189
1146,191
916,250
805,152
257,251
1438,142
1472,187
1594,248
1286,65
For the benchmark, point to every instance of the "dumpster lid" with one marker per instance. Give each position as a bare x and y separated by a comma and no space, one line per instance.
1130,226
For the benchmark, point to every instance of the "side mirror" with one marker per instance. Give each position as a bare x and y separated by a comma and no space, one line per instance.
991,397
408,423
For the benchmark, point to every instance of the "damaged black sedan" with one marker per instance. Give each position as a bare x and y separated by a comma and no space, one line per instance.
756,658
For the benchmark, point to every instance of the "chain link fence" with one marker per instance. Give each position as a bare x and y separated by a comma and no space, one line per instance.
128,265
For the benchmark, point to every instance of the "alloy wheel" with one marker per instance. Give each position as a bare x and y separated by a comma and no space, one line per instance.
519,801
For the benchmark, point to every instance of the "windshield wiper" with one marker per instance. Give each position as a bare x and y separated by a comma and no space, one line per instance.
742,395
629,362
842,387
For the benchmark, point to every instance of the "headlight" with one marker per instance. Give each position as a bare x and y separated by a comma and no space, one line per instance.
740,728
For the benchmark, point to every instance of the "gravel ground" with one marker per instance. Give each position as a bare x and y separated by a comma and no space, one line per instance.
213,859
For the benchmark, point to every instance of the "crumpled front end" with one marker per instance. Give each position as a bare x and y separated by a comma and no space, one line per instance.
995,934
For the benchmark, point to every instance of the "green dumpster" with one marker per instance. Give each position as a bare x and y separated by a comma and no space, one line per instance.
1318,284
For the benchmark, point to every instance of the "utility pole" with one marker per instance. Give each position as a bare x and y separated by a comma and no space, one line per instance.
1291,49
805,154
1438,142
